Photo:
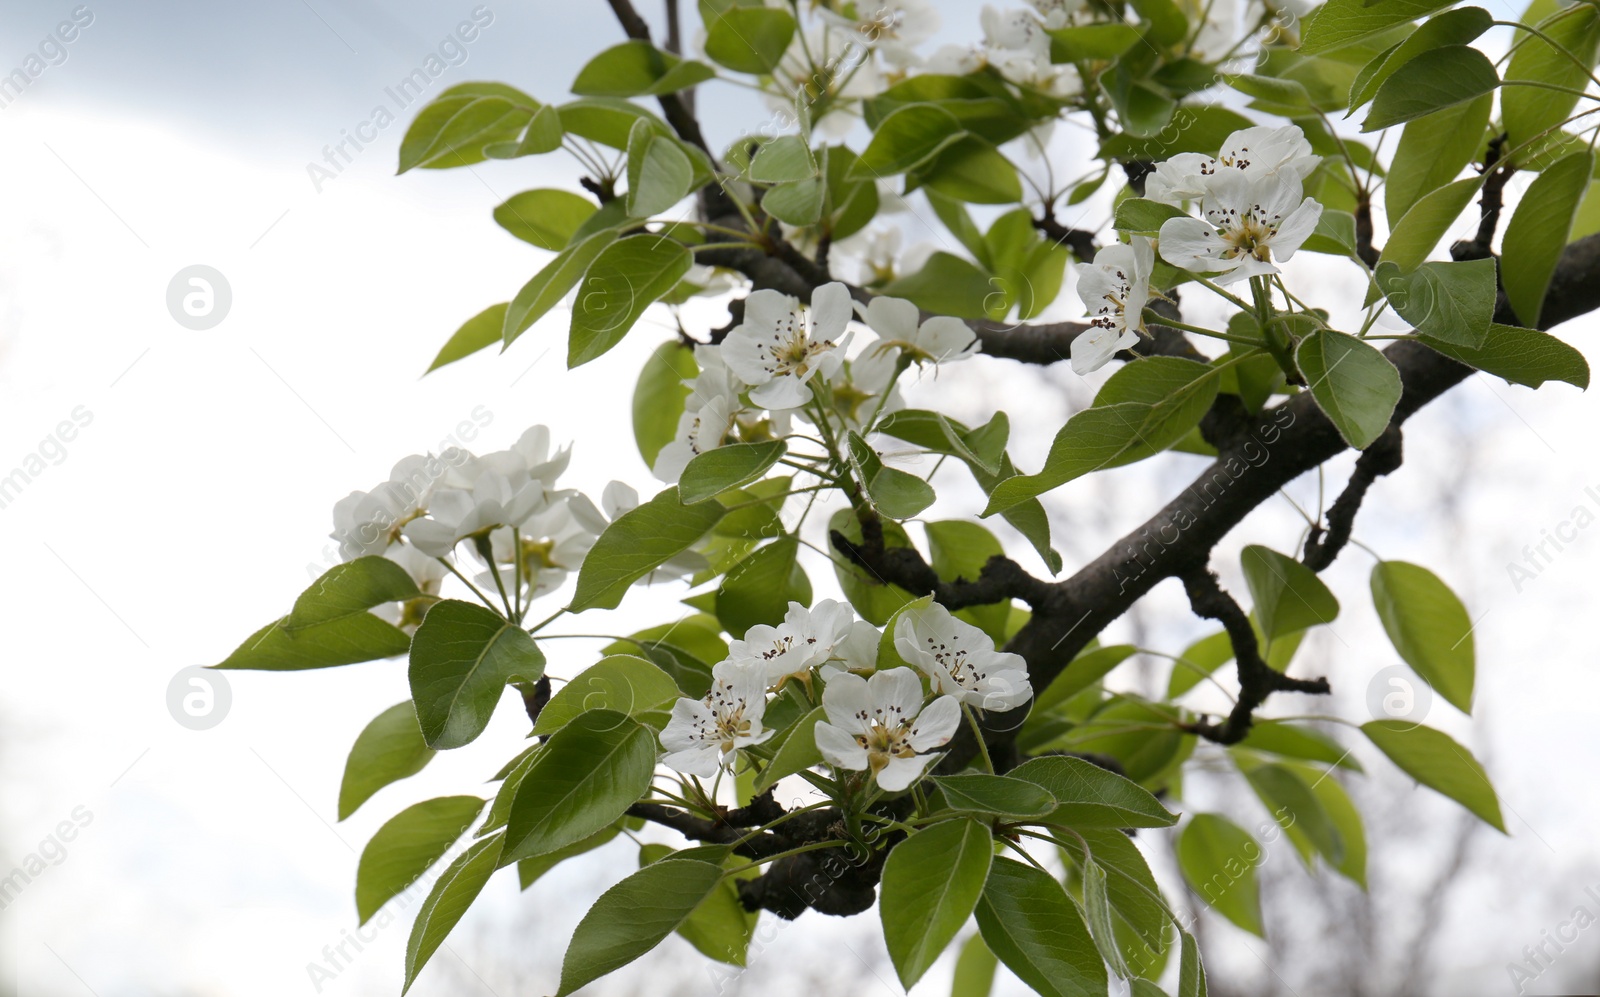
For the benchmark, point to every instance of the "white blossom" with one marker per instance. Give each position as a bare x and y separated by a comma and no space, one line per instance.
1248,226
492,500
806,638
775,351
368,522
961,659
879,724
941,339
1254,153
702,734
1114,289
894,28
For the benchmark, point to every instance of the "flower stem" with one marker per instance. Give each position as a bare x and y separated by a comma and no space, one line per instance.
977,732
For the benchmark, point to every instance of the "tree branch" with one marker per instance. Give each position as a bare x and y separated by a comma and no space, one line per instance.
1257,679
1381,458
1000,580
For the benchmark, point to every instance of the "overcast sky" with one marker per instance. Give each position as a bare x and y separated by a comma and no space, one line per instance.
181,508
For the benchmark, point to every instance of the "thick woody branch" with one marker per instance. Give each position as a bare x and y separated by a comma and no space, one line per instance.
1257,679
1000,580
1081,244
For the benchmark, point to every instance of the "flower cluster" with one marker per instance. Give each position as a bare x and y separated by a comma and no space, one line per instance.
882,722
526,534
1253,214
771,366
1016,45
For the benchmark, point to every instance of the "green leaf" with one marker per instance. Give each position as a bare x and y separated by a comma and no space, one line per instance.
407,845
1142,925
1432,152
974,171
461,659
975,967
345,641
1282,95
625,279
547,287
1197,661
1031,924
1452,27
634,917
1097,905
931,882
1428,626
785,158
625,683
1435,759
1083,671
1346,820
1341,22
749,39
481,330
546,217
732,466
585,777
1354,384
1218,860
895,493
1538,231
350,589
759,588
1090,796
1288,595
1143,217
544,133
1521,356
1434,80
659,172
795,753
1200,129
607,120
850,204
638,542
1451,302
659,396
1425,223
1529,110
1297,809
1335,234
1143,409
1292,740
637,67
1091,42
529,871
720,928
452,893
997,795
946,285
454,128
1191,975
1165,21
987,444
796,203
388,749
908,137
